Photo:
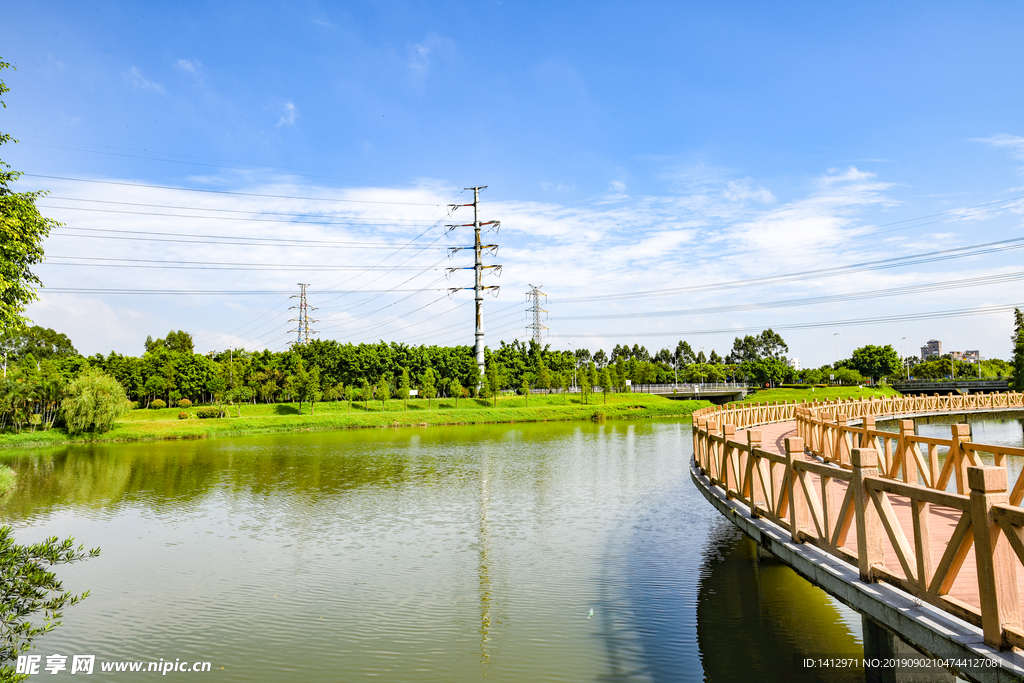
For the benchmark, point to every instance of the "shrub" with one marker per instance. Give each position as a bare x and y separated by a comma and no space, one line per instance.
93,401
207,413
184,403
183,415
157,404
136,405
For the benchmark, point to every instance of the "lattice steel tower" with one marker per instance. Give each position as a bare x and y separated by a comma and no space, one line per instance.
538,329
303,320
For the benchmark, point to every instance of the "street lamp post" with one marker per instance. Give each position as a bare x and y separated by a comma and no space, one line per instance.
837,346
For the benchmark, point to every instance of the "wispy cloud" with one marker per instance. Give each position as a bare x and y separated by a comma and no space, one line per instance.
289,115
135,77
188,65
422,55
1013,144
746,190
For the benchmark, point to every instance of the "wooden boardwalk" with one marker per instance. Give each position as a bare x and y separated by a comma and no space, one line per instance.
943,522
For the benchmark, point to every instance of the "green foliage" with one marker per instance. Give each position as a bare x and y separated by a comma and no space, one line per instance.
93,402
750,349
41,342
31,589
22,231
457,391
1018,350
157,404
494,378
428,389
184,403
876,361
209,412
383,391
524,389
404,387
183,415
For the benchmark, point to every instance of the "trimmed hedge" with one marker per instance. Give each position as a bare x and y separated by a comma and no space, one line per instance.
207,413
183,415
184,403
157,404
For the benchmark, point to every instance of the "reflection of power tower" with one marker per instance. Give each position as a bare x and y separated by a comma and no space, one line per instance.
303,320
478,269
538,329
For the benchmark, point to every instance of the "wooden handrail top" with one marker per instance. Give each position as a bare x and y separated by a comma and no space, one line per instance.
919,492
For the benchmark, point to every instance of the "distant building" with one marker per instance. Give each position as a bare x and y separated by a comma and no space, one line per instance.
933,349
794,363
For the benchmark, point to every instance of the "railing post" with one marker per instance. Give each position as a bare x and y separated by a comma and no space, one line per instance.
870,550
712,452
997,574
728,474
961,433
756,497
866,426
841,451
905,448
797,501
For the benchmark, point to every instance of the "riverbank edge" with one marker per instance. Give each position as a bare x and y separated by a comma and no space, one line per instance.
174,430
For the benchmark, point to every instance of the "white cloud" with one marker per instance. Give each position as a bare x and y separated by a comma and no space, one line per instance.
1014,144
617,186
135,77
289,115
420,56
610,244
188,65
746,190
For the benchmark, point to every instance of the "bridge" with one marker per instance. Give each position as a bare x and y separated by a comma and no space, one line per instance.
918,534
716,392
920,386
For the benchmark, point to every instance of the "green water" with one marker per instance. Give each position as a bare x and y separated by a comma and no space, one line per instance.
438,554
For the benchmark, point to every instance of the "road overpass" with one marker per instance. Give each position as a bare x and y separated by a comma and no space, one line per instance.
919,386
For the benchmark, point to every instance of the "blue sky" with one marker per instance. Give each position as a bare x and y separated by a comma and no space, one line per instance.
626,148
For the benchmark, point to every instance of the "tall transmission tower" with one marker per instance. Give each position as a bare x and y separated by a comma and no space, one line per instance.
478,271
538,329
303,320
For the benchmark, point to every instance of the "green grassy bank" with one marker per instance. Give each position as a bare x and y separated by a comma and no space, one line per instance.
151,425
817,394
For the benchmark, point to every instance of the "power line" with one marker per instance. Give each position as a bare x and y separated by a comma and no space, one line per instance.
226,192
896,262
812,301
216,265
952,313
209,208
148,236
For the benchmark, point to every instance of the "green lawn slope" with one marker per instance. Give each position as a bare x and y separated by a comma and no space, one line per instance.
148,425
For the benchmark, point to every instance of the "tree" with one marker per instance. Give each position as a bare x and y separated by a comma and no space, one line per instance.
22,231
544,378
93,402
494,379
1018,350
457,391
525,389
606,381
30,588
563,381
366,392
427,387
404,388
383,391
585,384
876,361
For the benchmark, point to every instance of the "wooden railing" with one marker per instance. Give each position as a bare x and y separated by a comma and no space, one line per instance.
835,477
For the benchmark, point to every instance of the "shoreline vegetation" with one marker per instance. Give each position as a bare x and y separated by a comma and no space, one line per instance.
165,424
249,419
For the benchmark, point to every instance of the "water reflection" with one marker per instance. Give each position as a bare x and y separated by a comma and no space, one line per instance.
440,554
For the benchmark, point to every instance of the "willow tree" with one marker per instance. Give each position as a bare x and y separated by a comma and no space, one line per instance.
93,402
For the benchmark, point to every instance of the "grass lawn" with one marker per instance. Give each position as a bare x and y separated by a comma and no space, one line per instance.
818,394
147,425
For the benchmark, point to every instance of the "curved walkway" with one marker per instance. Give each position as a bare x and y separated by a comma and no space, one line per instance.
893,513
